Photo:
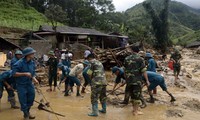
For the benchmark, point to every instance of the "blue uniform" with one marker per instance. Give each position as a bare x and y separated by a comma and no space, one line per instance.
25,87
7,77
13,61
120,76
156,79
151,65
73,80
65,74
67,62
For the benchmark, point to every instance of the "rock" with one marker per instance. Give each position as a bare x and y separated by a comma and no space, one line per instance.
189,75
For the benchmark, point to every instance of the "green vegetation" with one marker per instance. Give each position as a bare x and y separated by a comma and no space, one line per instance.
188,38
17,15
183,20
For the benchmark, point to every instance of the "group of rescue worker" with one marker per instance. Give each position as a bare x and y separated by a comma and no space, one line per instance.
135,74
20,78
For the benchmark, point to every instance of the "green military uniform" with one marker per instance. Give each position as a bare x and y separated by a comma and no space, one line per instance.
98,86
177,66
134,68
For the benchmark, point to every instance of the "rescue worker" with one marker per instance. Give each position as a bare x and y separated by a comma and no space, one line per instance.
151,63
65,73
73,79
98,85
86,53
18,55
6,81
134,70
57,53
85,75
119,72
52,63
151,66
176,57
120,77
155,80
24,71
67,60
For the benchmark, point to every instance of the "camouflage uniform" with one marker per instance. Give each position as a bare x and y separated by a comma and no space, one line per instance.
177,66
134,68
98,82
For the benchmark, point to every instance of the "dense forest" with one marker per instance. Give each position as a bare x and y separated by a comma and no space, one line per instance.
135,22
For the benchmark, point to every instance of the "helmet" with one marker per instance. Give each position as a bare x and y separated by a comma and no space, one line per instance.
114,69
28,51
51,53
18,52
86,62
60,65
148,55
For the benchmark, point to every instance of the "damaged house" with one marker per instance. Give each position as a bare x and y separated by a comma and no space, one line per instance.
64,36
5,47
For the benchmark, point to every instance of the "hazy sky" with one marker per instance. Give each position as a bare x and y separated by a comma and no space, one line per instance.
122,5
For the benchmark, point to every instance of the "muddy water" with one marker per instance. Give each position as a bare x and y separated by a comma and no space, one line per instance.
77,108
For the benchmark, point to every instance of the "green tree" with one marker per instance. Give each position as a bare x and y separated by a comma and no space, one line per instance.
160,25
39,5
55,14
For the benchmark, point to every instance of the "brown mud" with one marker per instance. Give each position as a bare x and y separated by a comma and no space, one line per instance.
187,106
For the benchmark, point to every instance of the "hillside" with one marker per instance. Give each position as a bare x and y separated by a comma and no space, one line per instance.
188,38
182,18
16,15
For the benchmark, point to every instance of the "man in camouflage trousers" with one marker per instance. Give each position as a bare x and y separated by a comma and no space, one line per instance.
98,85
134,70
176,57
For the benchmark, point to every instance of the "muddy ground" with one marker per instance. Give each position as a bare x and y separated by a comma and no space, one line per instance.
187,106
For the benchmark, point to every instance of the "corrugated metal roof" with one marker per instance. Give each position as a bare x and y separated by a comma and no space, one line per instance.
5,44
72,30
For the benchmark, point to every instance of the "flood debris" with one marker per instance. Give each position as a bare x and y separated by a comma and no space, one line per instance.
174,113
193,104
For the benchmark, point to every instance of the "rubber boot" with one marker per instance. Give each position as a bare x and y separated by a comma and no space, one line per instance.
78,94
144,105
94,110
26,116
172,98
13,103
78,91
151,100
126,99
66,93
72,90
103,110
83,90
30,116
